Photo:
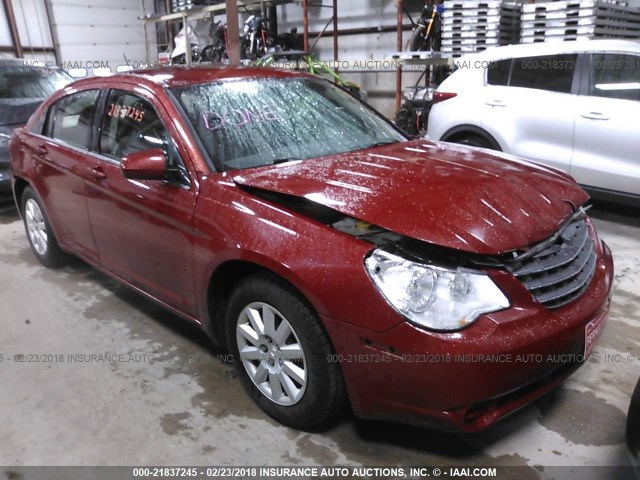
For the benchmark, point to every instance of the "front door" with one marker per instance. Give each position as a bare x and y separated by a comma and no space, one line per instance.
143,228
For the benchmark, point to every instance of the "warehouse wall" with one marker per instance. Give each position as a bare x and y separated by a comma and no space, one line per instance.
33,29
99,33
5,36
91,35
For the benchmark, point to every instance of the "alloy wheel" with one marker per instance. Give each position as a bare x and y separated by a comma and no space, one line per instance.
36,227
271,353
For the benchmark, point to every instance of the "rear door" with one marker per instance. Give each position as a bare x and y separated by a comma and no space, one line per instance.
143,228
532,109
607,132
60,169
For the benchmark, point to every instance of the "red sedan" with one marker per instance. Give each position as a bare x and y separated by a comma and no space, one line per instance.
338,260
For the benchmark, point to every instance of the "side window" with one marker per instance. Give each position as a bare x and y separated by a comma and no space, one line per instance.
615,75
553,73
71,120
498,72
130,124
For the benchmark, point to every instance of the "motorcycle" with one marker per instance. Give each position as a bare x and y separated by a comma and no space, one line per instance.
216,52
427,33
179,56
256,41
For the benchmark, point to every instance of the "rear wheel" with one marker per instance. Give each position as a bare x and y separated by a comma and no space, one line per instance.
283,354
41,238
417,40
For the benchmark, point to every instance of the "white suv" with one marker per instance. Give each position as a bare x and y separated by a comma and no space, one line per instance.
571,105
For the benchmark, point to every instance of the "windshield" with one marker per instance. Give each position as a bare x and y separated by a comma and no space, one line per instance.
250,123
30,82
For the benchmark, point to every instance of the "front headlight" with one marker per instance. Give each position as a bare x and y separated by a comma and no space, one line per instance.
433,297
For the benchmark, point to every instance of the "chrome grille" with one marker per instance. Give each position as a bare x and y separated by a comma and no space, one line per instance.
559,269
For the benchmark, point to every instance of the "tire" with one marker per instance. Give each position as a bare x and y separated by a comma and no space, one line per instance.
474,141
41,238
408,120
248,54
179,60
315,392
416,41
211,54
405,119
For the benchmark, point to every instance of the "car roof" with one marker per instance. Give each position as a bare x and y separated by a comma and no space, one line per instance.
550,48
176,76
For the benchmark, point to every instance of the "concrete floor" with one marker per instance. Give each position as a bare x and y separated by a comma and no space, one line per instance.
184,406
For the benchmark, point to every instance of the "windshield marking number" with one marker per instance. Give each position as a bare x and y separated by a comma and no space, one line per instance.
123,111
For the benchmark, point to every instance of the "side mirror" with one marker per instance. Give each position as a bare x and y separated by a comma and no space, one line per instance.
145,165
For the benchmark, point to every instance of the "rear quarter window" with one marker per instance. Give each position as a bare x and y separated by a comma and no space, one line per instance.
498,72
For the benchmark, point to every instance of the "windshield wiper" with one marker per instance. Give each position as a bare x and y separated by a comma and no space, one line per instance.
284,160
381,144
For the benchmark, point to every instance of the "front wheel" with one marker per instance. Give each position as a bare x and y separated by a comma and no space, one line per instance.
41,238
283,355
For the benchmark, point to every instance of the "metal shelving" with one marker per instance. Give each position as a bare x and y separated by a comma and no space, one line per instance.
233,7
427,59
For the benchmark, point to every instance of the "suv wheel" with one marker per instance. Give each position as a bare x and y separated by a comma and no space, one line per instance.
473,141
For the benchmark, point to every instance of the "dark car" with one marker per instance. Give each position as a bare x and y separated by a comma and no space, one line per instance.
633,427
22,90
335,258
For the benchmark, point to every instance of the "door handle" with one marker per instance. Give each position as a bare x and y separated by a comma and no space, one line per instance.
594,116
98,173
42,150
495,103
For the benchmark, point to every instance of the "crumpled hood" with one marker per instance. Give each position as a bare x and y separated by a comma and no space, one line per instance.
448,195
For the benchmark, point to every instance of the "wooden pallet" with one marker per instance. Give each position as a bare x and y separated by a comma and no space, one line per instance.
581,22
471,12
572,5
584,32
461,50
462,20
485,27
481,27
467,4
582,12
490,34
568,38
448,42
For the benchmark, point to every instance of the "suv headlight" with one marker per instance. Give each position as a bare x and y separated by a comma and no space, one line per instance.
433,297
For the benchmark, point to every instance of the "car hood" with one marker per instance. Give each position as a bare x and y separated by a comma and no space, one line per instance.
16,111
449,195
